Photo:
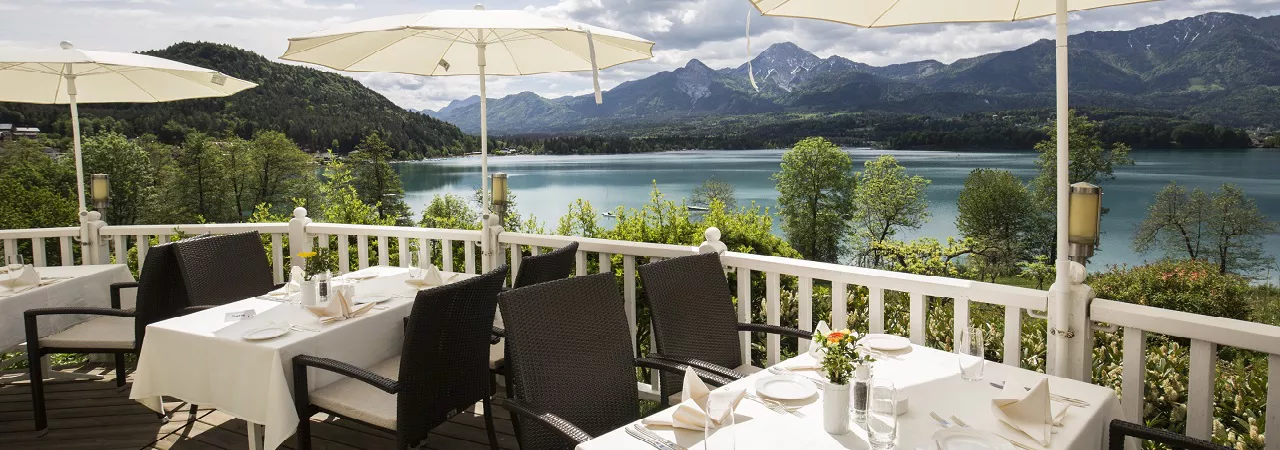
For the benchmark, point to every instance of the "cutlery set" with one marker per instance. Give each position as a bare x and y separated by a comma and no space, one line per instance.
1064,399
784,371
961,424
644,435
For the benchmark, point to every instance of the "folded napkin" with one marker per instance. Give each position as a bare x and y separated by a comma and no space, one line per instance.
27,278
1029,411
340,306
430,277
698,404
815,348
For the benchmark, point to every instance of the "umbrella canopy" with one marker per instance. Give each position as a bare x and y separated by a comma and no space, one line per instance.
889,13
70,76
470,42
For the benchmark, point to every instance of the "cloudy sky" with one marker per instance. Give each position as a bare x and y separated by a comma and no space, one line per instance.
710,30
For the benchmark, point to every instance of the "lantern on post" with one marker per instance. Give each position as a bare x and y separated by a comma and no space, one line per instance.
100,190
499,185
1085,218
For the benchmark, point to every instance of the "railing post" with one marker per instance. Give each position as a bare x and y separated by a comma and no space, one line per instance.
1076,340
299,241
93,243
490,255
712,244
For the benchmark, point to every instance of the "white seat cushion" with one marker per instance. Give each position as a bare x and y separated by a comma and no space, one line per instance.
358,400
496,354
108,332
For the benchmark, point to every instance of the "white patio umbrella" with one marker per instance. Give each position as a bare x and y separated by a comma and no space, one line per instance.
892,13
470,42
71,76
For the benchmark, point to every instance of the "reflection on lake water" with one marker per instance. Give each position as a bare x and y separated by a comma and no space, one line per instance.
545,185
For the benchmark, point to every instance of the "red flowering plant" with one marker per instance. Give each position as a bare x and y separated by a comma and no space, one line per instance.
841,354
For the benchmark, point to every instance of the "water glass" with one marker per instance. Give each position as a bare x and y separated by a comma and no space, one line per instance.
972,352
882,416
718,436
415,267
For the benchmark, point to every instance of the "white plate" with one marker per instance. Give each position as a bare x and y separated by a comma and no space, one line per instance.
785,387
262,334
376,298
968,439
885,342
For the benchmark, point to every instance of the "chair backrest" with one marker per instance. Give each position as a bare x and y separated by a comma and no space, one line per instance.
444,364
568,347
222,269
556,265
161,291
692,309
1119,430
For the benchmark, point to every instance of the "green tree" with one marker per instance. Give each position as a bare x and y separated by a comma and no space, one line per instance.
581,220
375,180
200,164
715,189
35,190
925,256
1038,269
281,170
815,198
997,212
450,211
129,170
1237,230
1177,223
342,203
887,201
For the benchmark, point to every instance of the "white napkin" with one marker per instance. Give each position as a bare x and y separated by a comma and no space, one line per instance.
698,404
340,306
26,279
430,277
1031,412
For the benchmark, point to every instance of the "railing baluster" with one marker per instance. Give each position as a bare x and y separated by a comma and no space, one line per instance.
277,257
1132,395
875,309
322,242
1273,398
424,246
404,251
362,250
1200,386
143,242
384,252
961,317
606,262
580,263
162,239
10,249
839,305
446,255
772,311
804,295
344,255
64,246
1013,336
120,241
469,256
744,311
535,250
917,318
629,296
37,252
515,267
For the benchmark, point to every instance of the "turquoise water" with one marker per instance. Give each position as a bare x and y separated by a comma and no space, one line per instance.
545,185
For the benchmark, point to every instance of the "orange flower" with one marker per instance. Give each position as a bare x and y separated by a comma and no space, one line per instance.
835,336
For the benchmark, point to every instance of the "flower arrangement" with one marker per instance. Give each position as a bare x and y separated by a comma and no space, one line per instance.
314,263
841,354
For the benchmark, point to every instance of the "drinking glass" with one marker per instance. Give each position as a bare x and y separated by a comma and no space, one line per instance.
415,267
971,350
882,416
718,436
14,264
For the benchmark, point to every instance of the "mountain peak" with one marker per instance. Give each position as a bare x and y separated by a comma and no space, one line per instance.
695,64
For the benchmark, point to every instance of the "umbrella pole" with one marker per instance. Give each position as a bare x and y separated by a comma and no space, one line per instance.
1062,311
75,139
484,131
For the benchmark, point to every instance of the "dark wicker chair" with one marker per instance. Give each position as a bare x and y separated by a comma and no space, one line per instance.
222,269
571,361
1120,429
694,320
161,295
555,265
441,370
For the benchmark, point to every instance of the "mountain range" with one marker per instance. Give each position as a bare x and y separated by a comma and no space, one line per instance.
1216,67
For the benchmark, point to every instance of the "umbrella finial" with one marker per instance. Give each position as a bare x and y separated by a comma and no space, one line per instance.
479,7
66,45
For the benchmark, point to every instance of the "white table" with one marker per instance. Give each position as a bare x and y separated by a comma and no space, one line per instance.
202,359
931,381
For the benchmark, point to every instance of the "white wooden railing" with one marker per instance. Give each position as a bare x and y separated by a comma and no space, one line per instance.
39,239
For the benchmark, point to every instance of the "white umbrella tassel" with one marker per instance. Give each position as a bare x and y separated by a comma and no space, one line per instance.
1062,278
595,69
484,132
751,73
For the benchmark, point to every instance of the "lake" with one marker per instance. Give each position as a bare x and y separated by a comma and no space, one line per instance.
545,185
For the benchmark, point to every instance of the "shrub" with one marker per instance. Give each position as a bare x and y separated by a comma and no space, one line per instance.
1188,285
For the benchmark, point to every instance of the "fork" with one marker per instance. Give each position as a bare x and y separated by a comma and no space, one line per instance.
776,406
642,438
654,436
785,371
1062,398
1011,441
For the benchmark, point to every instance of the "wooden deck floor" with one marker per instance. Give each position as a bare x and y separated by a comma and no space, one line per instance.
94,415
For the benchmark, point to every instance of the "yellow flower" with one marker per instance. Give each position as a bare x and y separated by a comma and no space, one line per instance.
306,254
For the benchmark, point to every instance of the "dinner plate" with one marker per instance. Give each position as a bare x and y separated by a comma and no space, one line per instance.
958,438
376,298
264,333
885,342
786,387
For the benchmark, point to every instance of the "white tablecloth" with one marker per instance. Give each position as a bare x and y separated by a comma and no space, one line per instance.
931,381
202,359
85,286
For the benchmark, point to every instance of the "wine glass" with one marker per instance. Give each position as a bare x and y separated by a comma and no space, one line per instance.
14,264
971,350
718,435
882,415
415,267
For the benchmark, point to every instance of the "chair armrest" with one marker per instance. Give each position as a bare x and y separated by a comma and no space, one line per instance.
1119,429
301,362
115,291
703,365
774,329
551,421
77,310
666,365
